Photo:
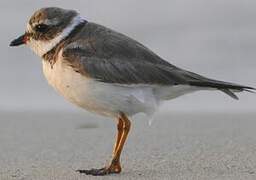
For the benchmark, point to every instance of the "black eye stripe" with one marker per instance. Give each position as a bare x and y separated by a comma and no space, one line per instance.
41,28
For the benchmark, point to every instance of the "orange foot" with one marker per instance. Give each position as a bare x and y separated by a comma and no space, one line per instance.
112,169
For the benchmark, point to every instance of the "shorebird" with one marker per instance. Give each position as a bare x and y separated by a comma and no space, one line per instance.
108,73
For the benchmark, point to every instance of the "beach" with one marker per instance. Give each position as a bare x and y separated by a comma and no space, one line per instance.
201,136
180,145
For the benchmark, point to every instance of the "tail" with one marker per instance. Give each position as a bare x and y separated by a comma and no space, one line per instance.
226,87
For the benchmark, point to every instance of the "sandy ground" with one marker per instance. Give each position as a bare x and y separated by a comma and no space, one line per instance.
51,146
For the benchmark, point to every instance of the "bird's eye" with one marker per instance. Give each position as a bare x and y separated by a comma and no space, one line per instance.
41,28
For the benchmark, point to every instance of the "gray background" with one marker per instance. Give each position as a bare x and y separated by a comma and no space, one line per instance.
213,38
205,135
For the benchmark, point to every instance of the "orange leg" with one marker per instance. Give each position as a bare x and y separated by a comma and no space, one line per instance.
126,129
120,125
123,128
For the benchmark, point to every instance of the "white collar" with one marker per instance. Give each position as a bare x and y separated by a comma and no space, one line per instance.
42,47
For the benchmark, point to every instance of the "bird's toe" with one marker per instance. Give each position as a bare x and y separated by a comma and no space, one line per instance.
99,172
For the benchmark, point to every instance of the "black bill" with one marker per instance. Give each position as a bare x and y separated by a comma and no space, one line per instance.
19,41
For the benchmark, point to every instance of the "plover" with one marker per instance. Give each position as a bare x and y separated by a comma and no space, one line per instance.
106,72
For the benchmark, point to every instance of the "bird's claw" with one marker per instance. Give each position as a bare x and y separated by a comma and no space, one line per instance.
101,171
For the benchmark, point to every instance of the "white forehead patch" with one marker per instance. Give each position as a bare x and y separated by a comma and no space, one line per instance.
29,28
42,47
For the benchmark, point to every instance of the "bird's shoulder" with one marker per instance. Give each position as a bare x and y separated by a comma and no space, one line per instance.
105,43
109,56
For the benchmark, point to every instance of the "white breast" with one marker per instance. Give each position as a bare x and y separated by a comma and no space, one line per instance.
72,85
102,98
106,98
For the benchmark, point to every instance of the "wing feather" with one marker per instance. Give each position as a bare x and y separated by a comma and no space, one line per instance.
111,57
108,56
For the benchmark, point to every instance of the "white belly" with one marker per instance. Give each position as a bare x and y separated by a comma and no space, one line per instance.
102,98
105,98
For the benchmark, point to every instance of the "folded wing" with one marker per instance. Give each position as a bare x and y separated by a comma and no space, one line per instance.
111,57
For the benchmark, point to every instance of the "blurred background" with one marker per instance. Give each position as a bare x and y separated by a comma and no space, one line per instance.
213,38
204,135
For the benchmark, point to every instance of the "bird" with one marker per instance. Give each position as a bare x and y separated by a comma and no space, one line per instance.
107,72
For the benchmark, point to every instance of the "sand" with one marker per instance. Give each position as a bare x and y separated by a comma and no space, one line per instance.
181,145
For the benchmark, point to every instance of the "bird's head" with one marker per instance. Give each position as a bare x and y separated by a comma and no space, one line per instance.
46,28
